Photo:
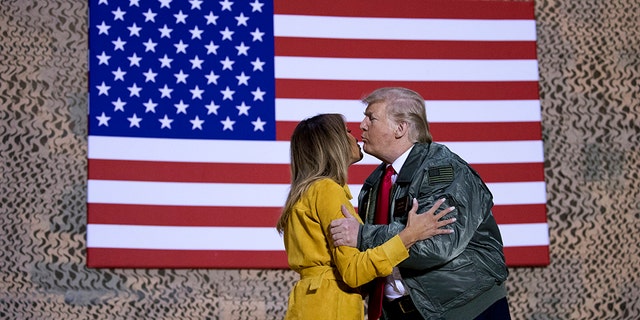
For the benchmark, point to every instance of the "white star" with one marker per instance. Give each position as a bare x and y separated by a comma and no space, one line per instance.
118,14
243,79
165,92
150,46
243,109
257,65
195,4
150,106
166,122
181,17
103,89
103,120
196,93
181,47
150,16
134,3
134,60
118,74
212,48
211,18
196,33
118,44
181,77
227,94
181,107
212,107
227,124
258,94
134,90
258,125
226,5
103,58
150,76
256,6
196,123
103,28
242,20
212,78
134,30
196,63
134,121
257,35
118,105
165,62
242,49
165,32
103,2
165,3
227,34
227,64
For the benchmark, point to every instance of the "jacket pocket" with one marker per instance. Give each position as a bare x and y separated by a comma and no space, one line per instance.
456,283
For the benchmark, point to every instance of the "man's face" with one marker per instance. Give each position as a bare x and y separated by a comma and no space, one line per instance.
377,130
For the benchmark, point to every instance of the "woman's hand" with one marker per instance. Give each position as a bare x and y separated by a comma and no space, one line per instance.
425,225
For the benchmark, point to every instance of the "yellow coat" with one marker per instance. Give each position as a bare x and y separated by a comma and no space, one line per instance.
328,274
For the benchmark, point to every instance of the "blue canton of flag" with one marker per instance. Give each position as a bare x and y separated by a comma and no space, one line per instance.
182,69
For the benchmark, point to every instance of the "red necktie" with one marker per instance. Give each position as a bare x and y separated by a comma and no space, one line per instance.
381,217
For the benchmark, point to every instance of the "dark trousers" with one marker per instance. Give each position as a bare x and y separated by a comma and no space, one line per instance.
497,311
403,309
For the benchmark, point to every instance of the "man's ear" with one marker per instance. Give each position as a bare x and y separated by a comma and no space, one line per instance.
402,128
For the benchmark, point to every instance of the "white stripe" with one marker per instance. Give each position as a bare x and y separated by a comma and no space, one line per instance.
277,152
403,29
256,195
188,150
404,69
243,238
182,238
186,194
524,235
499,151
511,193
437,111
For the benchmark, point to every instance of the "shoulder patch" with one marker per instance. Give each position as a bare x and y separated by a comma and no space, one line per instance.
442,174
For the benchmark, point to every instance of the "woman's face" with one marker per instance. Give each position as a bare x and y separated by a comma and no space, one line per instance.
356,152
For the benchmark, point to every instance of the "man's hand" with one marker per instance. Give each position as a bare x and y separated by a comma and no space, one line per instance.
344,231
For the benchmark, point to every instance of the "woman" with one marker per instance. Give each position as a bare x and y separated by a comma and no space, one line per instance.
322,148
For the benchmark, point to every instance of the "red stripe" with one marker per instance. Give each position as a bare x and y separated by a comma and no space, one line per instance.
269,173
408,9
187,171
446,90
139,258
194,216
449,132
511,172
188,216
390,49
535,256
510,214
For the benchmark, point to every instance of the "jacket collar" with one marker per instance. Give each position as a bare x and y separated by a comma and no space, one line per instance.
413,162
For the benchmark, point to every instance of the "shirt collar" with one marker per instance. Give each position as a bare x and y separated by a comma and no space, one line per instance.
397,165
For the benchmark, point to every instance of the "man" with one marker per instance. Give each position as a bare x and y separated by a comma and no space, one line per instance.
452,276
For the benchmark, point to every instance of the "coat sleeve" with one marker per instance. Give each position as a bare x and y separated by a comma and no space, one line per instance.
355,267
466,192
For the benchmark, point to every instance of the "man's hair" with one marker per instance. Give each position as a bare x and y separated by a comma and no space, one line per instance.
404,105
319,149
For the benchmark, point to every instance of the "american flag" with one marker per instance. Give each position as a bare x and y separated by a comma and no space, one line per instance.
192,104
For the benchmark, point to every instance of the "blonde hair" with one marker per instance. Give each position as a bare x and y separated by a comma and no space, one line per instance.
319,149
404,105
